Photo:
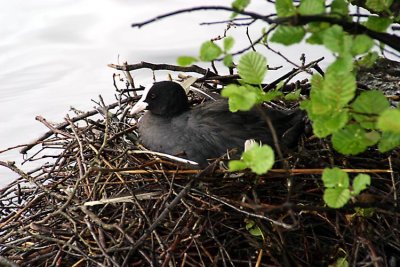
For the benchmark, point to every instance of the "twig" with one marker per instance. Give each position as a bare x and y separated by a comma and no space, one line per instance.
147,65
167,209
240,210
166,15
75,119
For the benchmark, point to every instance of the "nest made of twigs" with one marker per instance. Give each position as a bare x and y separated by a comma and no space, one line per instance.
101,203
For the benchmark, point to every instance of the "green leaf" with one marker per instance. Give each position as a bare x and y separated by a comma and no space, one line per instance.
342,65
256,231
371,138
327,124
249,223
340,262
285,8
365,212
240,97
371,102
340,7
368,60
317,30
319,104
347,44
337,192
360,183
336,197
361,44
186,60
379,24
270,95
209,51
339,88
317,82
252,67
311,7
315,38
388,141
336,40
367,106
259,159
389,121
240,4
333,38
228,43
335,177
350,140
236,165
265,35
228,60
293,96
379,5
288,35
253,228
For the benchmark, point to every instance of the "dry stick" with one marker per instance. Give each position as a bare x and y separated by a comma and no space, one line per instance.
15,169
104,225
6,263
147,65
52,128
75,131
393,185
123,132
14,147
291,171
208,74
221,247
219,78
77,118
249,38
129,78
19,212
104,111
231,22
167,209
238,209
259,257
66,244
282,56
99,244
162,246
271,127
106,163
290,73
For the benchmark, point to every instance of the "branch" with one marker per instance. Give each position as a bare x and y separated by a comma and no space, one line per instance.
65,124
351,27
391,40
186,10
147,65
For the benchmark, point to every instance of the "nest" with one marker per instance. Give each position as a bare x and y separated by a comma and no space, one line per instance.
104,202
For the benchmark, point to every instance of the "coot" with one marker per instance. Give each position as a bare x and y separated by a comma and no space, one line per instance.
207,130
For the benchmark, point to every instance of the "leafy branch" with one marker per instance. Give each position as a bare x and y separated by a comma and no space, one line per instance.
353,121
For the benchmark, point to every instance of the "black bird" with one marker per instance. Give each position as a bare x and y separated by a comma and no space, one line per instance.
209,129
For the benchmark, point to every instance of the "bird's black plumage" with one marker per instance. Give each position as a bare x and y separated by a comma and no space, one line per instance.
208,130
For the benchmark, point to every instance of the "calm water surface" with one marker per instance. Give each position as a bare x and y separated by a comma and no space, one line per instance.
54,55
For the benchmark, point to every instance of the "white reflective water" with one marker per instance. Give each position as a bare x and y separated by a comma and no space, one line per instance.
54,55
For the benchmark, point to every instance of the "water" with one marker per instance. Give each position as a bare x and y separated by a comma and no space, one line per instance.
54,54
